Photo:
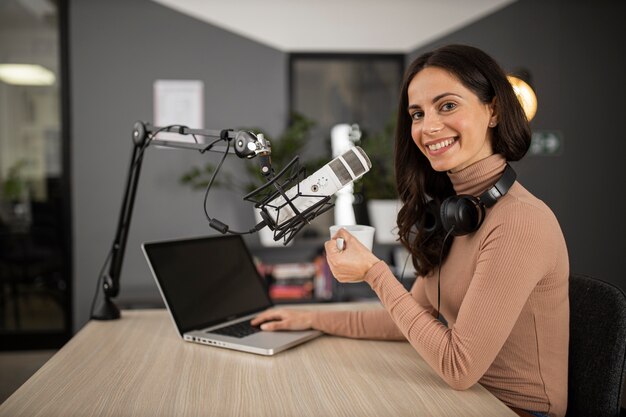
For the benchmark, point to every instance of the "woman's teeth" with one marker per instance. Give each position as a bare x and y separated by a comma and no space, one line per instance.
440,145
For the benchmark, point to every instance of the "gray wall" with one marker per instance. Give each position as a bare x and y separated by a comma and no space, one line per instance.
118,48
575,52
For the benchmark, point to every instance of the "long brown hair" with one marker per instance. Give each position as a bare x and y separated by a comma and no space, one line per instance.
417,182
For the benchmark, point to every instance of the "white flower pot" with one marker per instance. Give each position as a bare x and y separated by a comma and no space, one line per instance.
383,214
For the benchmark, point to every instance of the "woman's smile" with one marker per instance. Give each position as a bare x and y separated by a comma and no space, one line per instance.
438,147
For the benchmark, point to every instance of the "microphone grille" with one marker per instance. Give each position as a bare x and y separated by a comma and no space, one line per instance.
342,173
354,163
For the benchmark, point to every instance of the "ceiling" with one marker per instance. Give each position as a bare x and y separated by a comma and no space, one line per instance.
373,26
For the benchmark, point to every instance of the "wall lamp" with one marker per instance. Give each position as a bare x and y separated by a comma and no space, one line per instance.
26,74
520,80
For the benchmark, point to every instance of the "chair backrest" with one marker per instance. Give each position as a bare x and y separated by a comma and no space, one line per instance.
597,347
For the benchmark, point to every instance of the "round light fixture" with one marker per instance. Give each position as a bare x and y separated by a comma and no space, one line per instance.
525,95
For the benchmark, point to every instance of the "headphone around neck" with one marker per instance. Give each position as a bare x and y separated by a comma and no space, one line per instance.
463,214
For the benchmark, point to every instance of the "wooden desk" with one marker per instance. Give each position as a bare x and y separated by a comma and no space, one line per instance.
139,366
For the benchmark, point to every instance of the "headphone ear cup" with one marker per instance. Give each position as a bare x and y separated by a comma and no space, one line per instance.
432,220
447,213
463,212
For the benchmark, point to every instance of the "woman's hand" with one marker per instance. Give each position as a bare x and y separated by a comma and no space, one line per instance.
283,319
352,263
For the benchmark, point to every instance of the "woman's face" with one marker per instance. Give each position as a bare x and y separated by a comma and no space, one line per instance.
450,125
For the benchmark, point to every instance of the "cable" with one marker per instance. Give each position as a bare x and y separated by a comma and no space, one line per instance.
214,223
210,145
443,245
208,188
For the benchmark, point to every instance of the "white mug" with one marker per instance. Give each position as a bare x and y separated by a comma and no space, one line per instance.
364,234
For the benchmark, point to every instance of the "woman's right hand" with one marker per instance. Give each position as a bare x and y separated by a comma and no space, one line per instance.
283,319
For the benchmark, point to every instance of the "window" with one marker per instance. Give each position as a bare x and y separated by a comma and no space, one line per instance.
345,88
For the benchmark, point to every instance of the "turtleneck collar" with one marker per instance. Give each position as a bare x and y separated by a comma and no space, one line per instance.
478,177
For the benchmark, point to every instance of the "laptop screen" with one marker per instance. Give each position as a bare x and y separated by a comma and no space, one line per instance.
206,281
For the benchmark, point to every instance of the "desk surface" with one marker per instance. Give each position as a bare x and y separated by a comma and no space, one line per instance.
139,366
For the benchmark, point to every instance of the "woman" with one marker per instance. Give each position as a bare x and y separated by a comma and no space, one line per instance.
503,287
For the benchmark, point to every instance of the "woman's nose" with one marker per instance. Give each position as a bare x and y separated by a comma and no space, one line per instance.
432,124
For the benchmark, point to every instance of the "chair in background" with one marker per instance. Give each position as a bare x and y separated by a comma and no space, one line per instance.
597,348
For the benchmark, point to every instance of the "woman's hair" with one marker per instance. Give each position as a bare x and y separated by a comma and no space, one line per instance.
417,182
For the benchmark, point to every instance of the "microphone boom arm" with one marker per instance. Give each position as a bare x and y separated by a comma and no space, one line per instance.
247,145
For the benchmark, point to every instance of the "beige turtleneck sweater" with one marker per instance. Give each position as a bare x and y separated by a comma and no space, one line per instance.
504,294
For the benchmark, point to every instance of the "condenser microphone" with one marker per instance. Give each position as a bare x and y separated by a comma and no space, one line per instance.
322,184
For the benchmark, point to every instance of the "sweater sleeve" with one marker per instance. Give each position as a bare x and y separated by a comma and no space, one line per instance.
514,255
367,324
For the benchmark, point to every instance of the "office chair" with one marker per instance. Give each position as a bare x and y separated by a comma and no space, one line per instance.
597,348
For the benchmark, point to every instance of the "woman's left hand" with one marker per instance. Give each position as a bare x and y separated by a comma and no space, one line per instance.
352,263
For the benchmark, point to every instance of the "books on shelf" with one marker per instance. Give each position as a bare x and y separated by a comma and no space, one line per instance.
299,281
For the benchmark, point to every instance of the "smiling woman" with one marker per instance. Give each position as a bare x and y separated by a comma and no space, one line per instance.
490,306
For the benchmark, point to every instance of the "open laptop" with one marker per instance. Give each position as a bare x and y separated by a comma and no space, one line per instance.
212,289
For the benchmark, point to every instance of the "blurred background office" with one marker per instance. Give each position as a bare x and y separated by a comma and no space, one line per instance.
65,139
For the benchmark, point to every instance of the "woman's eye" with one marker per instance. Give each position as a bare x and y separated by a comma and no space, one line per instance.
448,106
417,115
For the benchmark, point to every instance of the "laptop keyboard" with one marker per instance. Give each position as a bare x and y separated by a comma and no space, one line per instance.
241,329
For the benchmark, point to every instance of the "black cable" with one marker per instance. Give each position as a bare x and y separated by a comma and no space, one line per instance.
216,224
443,245
208,188
210,145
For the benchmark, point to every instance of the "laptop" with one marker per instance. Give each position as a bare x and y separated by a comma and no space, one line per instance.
212,289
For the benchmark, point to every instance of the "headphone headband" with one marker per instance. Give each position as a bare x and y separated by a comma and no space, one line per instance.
463,214
500,188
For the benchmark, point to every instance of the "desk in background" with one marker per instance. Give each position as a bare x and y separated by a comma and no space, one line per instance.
139,366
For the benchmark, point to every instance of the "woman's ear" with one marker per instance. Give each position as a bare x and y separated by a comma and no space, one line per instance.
493,111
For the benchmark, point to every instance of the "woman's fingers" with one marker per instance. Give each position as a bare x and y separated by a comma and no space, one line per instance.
284,319
275,325
267,315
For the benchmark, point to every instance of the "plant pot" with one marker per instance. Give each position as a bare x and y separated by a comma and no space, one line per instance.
382,215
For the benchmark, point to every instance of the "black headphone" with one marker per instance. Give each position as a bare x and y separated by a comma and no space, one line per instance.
463,214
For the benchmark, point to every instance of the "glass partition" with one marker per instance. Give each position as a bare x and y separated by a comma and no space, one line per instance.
35,303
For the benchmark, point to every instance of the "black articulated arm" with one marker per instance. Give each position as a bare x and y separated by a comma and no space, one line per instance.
246,145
